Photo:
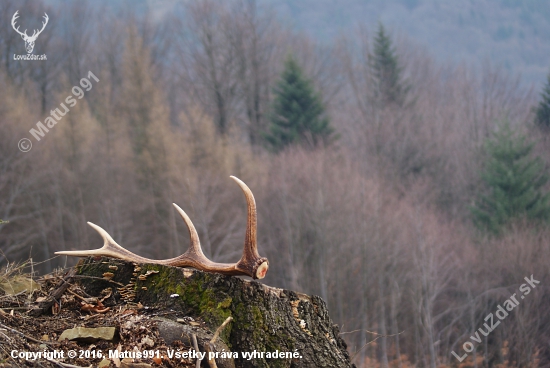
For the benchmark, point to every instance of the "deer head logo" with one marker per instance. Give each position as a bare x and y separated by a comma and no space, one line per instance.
29,40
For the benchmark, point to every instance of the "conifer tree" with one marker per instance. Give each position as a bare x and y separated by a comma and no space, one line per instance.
543,110
514,181
386,70
298,115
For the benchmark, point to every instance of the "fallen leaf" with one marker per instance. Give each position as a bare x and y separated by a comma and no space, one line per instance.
157,360
99,308
17,284
116,361
148,341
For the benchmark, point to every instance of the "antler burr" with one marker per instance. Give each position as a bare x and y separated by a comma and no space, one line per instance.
250,264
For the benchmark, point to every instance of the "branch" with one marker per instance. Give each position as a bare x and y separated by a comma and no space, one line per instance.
196,347
25,336
65,365
219,330
54,295
209,346
369,342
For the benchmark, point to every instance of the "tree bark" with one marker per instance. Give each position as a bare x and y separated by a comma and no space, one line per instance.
265,319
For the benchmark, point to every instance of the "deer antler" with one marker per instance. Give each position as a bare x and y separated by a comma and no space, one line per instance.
35,34
13,21
24,34
250,264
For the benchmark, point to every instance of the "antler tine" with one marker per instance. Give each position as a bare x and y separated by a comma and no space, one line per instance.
46,18
195,245
110,249
250,240
14,18
250,251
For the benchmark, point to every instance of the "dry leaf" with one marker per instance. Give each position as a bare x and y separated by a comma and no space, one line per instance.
116,361
157,360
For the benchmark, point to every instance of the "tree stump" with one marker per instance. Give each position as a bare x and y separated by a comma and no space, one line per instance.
265,319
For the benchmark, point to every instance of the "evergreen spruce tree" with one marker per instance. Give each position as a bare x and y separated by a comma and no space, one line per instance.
514,181
298,115
386,70
543,110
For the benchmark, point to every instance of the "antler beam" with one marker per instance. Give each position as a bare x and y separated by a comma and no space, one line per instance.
250,264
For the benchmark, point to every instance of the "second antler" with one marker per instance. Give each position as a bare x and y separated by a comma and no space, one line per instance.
250,264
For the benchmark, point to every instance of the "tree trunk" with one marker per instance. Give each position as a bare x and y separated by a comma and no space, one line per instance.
265,319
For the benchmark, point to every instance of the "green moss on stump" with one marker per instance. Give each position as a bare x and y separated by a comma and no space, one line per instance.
263,319
194,298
